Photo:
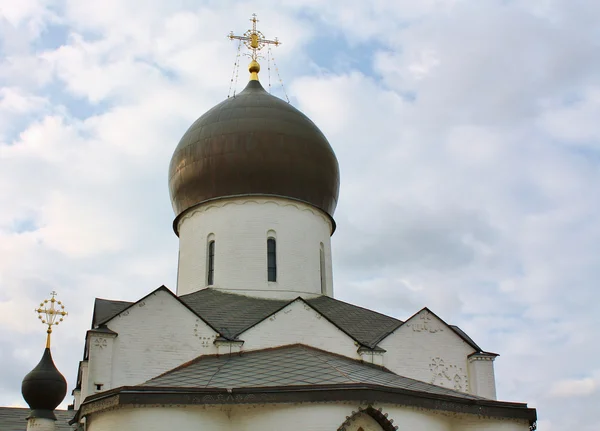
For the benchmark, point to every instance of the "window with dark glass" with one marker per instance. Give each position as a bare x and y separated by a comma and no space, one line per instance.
322,269
271,260
211,263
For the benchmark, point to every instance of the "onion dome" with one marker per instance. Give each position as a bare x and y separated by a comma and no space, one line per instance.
44,387
253,144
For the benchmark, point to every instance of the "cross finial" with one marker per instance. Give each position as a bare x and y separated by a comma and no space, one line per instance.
254,41
51,312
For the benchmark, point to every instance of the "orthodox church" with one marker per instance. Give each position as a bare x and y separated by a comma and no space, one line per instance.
253,338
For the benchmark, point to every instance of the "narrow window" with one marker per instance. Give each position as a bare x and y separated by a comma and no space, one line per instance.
271,260
322,269
211,263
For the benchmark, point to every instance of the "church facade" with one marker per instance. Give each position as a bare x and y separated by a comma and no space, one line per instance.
253,338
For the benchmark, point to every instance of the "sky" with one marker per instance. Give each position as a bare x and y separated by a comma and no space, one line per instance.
466,131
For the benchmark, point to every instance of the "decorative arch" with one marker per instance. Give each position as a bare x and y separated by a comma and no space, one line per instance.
377,414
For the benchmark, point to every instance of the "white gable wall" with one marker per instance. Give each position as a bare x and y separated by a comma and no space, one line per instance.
299,323
426,349
155,335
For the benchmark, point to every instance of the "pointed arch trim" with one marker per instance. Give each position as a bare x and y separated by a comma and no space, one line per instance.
376,413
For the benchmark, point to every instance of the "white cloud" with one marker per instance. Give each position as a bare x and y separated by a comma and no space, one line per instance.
574,388
478,198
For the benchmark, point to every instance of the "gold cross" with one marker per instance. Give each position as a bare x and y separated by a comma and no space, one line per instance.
52,314
254,41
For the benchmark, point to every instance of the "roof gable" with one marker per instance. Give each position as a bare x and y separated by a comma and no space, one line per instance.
121,307
232,314
427,320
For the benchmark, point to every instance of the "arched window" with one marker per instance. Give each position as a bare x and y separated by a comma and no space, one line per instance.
210,273
271,259
322,270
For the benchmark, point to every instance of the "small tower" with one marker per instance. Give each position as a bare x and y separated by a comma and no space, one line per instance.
44,387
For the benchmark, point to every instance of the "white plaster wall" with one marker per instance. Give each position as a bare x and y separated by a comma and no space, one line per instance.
100,361
155,336
159,419
299,323
473,423
426,349
84,383
300,417
240,227
76,398
481,374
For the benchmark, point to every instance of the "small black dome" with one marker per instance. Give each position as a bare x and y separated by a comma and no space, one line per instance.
253,144
44,387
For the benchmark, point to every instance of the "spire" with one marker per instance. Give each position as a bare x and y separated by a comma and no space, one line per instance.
254,41
45,387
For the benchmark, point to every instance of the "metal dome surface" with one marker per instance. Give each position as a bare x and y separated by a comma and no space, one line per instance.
44,387
253,144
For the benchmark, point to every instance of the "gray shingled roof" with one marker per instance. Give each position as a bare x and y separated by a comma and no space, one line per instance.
365,326
105,309
295,365
462,334
232,314
15,419
228,313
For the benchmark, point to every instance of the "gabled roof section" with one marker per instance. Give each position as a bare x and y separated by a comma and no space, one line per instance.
294,365
231,314
106,309
365,326
160,289
462,334
15,419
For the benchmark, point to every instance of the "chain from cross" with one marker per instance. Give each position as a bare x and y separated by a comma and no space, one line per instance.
254,39
51,312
